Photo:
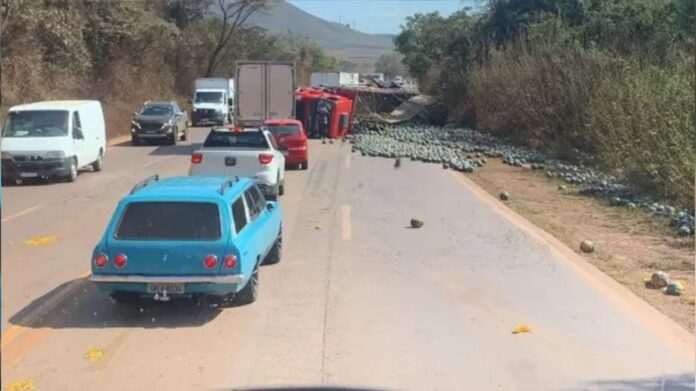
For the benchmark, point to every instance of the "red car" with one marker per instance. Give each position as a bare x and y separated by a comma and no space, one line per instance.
291,134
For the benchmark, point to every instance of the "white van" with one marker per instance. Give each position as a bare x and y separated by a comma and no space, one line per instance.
52,139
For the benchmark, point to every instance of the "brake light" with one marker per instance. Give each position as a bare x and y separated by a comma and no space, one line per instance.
230,261
210,261
197,158
120,260
101,260
265,158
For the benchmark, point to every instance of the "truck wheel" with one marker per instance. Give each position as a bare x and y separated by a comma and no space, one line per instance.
125,297
276,254
72,176
250,292
98,164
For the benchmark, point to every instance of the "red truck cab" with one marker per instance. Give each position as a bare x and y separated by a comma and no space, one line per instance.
291,134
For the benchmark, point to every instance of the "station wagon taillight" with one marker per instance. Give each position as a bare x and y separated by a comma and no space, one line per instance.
230,261
210,261
265,158
120,260
196,158
101,260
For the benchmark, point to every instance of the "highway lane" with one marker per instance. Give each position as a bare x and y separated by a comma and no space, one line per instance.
359,299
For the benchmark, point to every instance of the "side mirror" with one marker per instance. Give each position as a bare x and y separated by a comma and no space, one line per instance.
269,206
230,102
135,114
283,147
189,101
77,134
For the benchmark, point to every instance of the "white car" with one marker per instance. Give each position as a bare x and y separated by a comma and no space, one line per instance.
245,153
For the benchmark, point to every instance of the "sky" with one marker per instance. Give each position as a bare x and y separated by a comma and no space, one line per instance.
377,16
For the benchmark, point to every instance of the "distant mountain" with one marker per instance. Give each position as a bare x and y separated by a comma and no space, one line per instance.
337,39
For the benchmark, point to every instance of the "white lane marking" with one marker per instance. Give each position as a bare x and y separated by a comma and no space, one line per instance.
346,231
157,161
22,213
348,161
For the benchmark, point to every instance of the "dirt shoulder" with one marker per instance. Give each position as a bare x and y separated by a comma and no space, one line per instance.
630,244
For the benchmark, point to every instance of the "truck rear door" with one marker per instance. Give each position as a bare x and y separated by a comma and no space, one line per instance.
251,102
281,91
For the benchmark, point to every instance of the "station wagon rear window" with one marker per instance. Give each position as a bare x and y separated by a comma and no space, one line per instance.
236,140
169,221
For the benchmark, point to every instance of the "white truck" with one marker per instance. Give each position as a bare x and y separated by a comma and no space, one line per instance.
249,153
333,79
265,90
213,101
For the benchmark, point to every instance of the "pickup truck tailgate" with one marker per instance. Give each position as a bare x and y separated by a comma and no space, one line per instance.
228,162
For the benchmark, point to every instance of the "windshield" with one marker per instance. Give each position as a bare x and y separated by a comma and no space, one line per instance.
157,110
208,97
169,221
43,123
284,129
254,140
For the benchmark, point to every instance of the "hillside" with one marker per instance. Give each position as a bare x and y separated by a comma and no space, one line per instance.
339,40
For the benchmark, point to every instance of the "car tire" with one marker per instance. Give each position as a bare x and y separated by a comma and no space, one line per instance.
250,292
135,140
125,297
281,188
98,164
174,138
276,254
72,176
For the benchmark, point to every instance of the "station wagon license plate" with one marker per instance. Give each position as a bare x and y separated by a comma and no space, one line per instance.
162,288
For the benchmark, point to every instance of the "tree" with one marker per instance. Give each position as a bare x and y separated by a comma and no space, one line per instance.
233,14
391,65
184,12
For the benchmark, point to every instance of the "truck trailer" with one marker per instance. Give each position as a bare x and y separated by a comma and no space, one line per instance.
265,90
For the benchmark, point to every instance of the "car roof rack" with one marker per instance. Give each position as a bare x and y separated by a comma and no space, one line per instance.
144,183
228,185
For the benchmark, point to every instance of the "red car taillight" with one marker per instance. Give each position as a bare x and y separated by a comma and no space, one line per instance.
120,260
210,261
230,261
196,158
101,260
265,158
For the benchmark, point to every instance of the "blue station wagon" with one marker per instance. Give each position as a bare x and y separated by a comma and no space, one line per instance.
188,236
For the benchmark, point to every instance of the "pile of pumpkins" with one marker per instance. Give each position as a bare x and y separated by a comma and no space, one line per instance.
465,150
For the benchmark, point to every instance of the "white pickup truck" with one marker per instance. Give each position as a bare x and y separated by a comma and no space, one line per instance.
245,153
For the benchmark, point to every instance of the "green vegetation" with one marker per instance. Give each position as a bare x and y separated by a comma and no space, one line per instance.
391,65
128,51
606,82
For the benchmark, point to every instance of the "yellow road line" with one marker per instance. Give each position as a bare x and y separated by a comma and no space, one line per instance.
25,323
22,213
111,350
346,230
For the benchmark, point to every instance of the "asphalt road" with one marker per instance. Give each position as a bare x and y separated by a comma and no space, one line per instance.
359,299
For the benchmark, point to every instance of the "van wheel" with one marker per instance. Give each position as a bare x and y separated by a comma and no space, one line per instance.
250,292
276,254
72,176
98,164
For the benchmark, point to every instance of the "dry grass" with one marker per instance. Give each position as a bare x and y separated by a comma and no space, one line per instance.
631,245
